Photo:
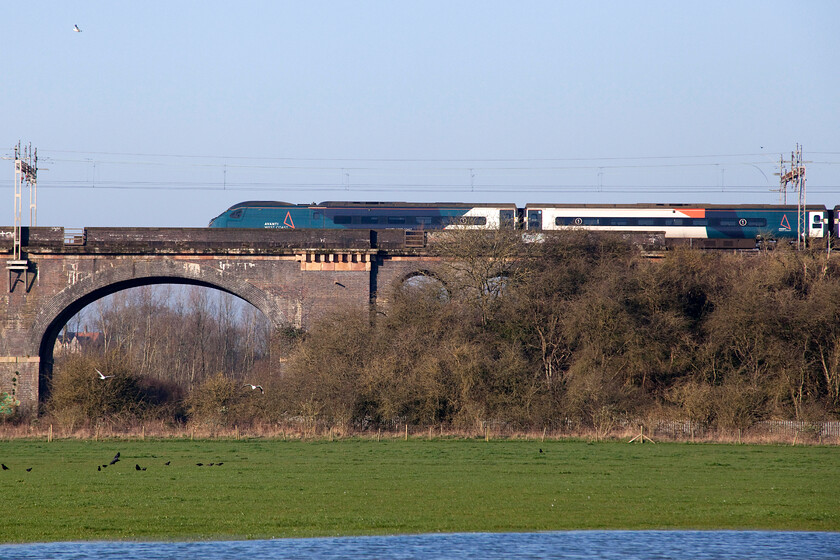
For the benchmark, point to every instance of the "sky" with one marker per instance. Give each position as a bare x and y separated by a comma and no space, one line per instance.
164,114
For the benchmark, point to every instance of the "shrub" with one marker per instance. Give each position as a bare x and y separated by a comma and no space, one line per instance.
214,401
77,390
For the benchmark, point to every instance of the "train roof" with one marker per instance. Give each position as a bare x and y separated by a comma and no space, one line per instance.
377,204
679,205
260,203
372,204
351,204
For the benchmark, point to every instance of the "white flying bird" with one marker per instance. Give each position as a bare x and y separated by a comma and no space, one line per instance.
255,387
102,375
76,29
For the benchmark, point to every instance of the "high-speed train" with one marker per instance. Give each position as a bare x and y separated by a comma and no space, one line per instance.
675,221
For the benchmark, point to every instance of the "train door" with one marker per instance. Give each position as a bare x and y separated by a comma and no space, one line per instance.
317,219
835,222
507,219
817,224
535,220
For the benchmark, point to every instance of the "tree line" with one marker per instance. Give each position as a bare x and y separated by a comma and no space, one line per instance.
575,328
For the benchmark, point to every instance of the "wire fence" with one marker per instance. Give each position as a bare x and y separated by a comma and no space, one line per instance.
687,429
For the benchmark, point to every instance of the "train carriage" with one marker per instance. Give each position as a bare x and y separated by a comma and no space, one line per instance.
367,215
680,221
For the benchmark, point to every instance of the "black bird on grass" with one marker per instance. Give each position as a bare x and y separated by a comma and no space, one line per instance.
29,469
5,468
139,468
115,459
167,463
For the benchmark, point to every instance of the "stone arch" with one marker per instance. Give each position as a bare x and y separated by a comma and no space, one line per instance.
54,314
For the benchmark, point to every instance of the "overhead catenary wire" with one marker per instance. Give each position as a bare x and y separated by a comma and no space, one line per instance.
428,188
389,174
423,160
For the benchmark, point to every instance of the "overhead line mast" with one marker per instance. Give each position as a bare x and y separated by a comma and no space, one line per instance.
26,171
795,177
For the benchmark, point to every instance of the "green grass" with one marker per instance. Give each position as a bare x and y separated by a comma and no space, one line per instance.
271,488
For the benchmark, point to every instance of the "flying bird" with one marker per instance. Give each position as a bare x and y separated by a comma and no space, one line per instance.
76,29
139,468
255,387
167,463
103,376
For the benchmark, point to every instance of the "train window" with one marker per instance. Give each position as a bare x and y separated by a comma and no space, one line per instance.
699,222
396,219
424,220
342,219
370,219
740,222
647,221
236,214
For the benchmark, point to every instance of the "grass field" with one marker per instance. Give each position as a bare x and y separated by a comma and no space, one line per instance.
274,488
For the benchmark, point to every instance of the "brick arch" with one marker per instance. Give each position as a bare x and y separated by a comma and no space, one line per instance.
423,273
65,304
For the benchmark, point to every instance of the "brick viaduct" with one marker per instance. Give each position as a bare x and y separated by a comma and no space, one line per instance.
292,276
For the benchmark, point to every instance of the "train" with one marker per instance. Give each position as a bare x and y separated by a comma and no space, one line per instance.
713,224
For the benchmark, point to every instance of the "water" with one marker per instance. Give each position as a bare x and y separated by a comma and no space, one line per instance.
625,545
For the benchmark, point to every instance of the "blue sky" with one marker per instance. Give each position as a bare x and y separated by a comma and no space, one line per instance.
166,113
